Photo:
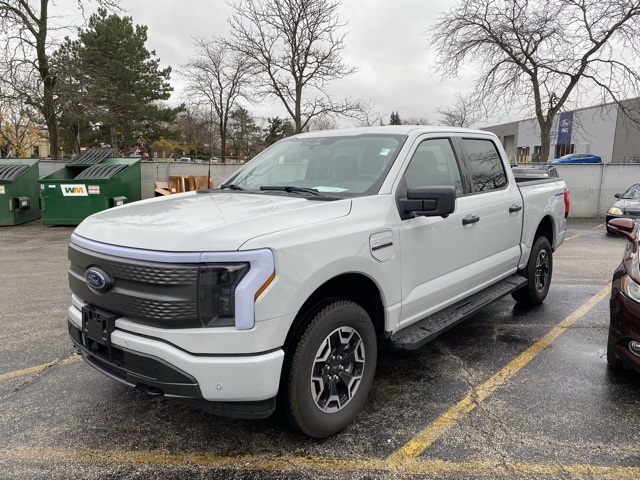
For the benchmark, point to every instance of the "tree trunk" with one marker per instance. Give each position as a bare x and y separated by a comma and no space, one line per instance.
75,130
49,112
114,137
298,108
223,142
545,139
48,81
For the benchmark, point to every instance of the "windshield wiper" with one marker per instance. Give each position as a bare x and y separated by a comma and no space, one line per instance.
231,186
290,189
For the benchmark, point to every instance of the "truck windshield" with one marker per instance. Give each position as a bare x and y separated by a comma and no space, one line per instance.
333,165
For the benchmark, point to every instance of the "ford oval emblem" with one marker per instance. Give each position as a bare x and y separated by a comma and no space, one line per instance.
98,280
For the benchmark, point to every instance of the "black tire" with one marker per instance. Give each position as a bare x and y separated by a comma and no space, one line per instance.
332,365
612,359
538,274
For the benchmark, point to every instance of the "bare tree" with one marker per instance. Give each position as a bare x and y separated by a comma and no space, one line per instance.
25,27
369,115
325,122
217,76
463,113
294,47
193,124
416,121
543,56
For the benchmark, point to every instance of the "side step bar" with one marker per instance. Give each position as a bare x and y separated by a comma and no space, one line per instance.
426,330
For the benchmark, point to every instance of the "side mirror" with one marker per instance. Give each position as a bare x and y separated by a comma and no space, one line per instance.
437,201
618,195
623,226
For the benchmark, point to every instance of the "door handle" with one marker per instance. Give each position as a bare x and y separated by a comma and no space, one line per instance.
515,208
470,219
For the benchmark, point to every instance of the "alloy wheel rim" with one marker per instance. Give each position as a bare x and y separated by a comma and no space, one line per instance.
542,270
337,369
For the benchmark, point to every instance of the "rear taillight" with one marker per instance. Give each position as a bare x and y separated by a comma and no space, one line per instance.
567,202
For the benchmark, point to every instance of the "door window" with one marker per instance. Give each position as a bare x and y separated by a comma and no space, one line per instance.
434,164
486,168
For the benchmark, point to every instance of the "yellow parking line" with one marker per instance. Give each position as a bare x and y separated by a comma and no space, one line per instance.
291,463
572,237
38,368
426,437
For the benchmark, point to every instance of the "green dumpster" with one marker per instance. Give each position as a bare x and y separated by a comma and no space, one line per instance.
19,190
96,180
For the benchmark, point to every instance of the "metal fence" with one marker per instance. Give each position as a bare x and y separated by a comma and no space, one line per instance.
592,186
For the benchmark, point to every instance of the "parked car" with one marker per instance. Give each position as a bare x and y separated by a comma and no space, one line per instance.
623,343
577,158
524,172
185,159
627,206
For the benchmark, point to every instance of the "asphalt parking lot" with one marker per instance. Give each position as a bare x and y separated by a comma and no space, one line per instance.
511,393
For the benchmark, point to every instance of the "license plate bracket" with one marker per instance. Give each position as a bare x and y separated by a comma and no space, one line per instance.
98,324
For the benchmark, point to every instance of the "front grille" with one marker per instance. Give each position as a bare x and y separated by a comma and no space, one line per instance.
152,293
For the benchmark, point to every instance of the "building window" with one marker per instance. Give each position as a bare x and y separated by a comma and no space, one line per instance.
562,150
523,155
535,158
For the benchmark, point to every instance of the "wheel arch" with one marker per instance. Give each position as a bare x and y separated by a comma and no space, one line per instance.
355,287
546,228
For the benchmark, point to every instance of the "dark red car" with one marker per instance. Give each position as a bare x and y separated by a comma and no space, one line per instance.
623,346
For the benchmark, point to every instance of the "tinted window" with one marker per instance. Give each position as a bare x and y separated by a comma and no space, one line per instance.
434,163
487,171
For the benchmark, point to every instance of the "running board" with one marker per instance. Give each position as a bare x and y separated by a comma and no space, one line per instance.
426,330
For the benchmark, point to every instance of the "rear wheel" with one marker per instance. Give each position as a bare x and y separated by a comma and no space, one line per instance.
333,361
538,273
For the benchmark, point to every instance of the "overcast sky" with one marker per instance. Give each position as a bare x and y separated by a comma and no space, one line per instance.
387,42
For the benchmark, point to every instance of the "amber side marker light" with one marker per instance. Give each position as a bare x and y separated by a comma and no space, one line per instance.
265,285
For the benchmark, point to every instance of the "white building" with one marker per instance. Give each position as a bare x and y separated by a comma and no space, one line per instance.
602,130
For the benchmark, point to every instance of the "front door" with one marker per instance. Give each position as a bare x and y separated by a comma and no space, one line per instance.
436,252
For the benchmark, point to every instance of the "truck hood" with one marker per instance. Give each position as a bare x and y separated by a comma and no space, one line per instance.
215,221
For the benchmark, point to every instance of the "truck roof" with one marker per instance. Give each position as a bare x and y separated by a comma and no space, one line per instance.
391,129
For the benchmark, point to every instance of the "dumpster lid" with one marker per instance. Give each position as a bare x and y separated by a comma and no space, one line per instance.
9,173
102,171
92,156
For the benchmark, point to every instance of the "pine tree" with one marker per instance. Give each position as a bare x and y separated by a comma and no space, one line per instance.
117,80
395,119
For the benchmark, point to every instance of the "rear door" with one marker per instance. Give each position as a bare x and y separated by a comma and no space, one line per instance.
499,209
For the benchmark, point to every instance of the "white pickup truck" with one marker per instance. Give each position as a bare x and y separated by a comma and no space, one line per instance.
280,283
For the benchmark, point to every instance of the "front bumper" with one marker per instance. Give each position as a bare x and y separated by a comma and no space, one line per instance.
625,327
231,385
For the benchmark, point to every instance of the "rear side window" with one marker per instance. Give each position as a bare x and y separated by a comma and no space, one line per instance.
485,166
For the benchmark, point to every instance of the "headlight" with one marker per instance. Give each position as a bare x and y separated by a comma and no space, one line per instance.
217,292
614,211
631,288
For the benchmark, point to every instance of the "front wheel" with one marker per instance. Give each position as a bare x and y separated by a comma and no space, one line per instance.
331,371
538,274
